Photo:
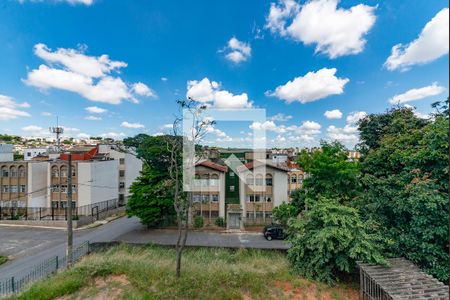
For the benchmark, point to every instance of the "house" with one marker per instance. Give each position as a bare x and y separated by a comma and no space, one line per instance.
6,152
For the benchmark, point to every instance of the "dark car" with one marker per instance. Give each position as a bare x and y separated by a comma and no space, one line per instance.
274,231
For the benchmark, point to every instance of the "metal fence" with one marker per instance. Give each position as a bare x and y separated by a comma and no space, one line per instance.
13,285
57,213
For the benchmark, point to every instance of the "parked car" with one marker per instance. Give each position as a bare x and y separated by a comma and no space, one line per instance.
274,231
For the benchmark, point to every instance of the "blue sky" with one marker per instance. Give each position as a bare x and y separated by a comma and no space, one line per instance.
295,59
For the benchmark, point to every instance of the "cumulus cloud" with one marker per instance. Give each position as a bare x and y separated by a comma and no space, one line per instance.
92,118
237,51
281,117
432,43
89,76
333,114
46,114
113,135
347,135
11,109
335,31
311,87
132,125
209,92
143,90
354,117
95,110
32,128
417,94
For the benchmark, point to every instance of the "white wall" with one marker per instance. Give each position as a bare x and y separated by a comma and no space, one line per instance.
37,188
97,181
280,187
28,154
6,152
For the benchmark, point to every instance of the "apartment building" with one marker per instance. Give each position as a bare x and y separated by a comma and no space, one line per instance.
295,177
43,181
130,167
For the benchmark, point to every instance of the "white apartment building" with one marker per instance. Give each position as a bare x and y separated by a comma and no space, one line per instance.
130,168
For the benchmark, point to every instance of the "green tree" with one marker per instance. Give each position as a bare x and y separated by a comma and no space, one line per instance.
405,179
284,212
329,238
330,172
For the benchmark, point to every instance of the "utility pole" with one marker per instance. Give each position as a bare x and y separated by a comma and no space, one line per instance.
69,252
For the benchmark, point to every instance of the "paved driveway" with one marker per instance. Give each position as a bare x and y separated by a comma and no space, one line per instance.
203,239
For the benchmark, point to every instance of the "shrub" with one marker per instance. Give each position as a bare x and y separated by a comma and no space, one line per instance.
220,222
284,212
199,222
329,238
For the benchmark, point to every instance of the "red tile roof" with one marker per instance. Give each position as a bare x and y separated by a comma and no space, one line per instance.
212,165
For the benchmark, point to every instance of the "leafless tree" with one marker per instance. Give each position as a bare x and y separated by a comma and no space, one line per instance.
191,111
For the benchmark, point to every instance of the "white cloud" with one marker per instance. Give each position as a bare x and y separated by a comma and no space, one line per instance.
95,110
89,76
83,136
280,117
333,114
267,125
347,135
207,91
417,94
310,128
10,109
46,114
354,117
335,31
32,128
132,125
113,135
143,90
311,87
432,43
92,118
237,51
164,78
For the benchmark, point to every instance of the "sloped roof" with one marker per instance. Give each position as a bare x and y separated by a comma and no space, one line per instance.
212,165
257,163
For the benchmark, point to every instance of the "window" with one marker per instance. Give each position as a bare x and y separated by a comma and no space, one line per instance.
214,181
249,179
74,188
5,188
231,174
21,171
28,154
13,189
22,188
259,180
121,185
254,198
13,172
122,161
55,171
63,188
121,197
55,188
268,199
5,172
55,204
205,198
63,172
122,173
74,171
269,180
294,179
215,198
231,188
196,198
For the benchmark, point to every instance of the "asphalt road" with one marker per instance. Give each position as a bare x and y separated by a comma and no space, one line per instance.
31,246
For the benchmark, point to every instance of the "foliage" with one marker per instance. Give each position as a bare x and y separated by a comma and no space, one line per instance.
283,212
3,259
331,174
150,199
199,222
405,178
329,238
151,196
220,222
146,273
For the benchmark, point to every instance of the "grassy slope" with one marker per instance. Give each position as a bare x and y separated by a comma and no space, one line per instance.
148,273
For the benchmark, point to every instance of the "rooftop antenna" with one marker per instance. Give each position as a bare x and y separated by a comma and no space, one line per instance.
58,131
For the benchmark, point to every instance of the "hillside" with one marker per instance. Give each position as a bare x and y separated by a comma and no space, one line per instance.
148,273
